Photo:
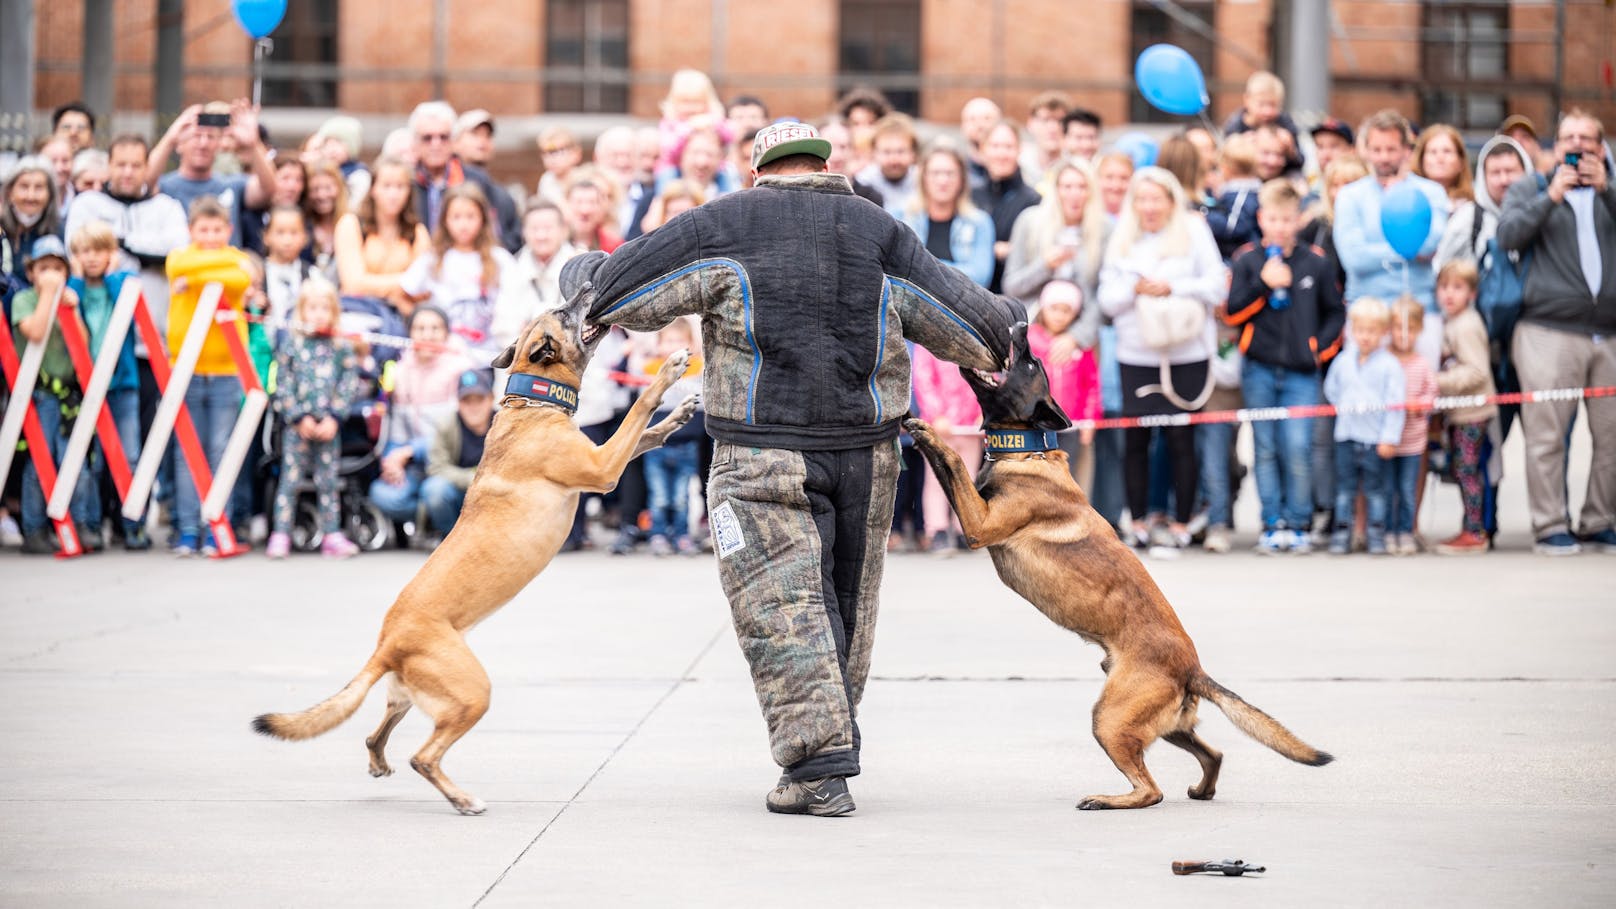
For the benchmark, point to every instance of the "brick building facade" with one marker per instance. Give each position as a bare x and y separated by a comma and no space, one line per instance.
1464,62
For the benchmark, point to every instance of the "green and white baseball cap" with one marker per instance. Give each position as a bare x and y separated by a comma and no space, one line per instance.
778,140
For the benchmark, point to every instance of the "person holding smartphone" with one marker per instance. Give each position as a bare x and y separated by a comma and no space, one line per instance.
1566,337
196,136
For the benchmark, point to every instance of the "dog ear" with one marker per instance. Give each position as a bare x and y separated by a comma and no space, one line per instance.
505,359
544,352
1046,414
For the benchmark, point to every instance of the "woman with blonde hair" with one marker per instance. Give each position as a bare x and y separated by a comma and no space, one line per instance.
1161,278
677,197
325,202
1062,238
940,213
1440,156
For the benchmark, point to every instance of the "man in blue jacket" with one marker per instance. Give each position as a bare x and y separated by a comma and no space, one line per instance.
806,294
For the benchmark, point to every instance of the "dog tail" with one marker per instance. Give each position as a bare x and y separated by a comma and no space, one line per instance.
326,715
1258,725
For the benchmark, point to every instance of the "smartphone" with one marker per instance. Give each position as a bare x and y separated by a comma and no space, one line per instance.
1572,159
220,120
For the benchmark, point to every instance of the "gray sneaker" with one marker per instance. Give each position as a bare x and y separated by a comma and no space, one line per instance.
827,797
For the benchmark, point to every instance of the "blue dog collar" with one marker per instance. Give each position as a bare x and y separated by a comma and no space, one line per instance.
1019,441
543,391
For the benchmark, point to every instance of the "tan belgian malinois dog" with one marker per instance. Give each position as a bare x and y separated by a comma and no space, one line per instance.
517,514
1051,547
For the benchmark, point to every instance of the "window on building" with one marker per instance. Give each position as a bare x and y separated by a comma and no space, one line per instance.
1464,57
1174,23
586,56
301,68
880,47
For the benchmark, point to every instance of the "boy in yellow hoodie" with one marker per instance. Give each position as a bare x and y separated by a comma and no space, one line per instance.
214,395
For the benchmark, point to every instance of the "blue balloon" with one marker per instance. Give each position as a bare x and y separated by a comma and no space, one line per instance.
1405,219
259,17
1138,146
1171,80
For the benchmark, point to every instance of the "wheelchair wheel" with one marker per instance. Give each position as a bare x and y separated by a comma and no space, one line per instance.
306,533
369,529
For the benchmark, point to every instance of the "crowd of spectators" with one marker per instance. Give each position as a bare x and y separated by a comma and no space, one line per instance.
1247,268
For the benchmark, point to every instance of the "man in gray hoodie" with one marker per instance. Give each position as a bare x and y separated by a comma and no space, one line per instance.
1567,332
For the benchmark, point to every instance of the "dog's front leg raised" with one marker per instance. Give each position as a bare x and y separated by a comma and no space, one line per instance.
980,523
670,424
599,468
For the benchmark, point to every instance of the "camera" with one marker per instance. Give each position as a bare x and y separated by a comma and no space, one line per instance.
220,120
1572,159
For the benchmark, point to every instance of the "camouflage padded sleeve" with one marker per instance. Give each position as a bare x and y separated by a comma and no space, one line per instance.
647,283
944,311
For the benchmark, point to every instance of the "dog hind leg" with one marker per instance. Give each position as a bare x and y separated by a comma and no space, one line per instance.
1126,720
398,704
451,686
1210,759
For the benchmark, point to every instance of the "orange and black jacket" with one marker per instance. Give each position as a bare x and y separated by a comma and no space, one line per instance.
1302,336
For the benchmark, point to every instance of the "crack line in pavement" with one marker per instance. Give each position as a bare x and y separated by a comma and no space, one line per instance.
683,677
105,632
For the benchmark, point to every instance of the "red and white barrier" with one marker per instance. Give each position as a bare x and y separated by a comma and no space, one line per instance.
1268,414
20,419
252,410
94,418
173,420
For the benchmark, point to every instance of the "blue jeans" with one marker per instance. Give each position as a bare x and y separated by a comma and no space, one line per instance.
398,502
85,506
1402,480
1213,439
668,472
124,405
1284,448
1358,468
214,402
443,501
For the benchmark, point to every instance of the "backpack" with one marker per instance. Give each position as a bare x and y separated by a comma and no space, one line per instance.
1499,293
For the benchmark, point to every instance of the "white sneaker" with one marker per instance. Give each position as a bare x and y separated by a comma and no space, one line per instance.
1217,539
10,533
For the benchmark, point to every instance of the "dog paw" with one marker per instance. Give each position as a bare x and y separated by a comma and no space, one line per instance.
674,366
1093,803
471,806
380,770
1201,795
917,427
682,414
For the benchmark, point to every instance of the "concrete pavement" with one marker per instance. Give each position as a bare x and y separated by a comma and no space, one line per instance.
1471,704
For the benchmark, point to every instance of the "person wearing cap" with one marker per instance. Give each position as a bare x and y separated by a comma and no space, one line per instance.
807,294
56,395
27,212
1521,128
474,137
457,447
437,168
1332,138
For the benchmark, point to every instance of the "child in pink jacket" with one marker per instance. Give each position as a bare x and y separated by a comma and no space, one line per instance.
949,405
1074,375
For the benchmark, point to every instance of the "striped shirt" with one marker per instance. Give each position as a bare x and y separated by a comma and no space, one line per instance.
1421,386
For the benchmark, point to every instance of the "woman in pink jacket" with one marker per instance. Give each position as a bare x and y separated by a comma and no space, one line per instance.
949,405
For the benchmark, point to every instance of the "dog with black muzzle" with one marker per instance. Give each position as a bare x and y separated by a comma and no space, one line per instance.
1052,548
516,516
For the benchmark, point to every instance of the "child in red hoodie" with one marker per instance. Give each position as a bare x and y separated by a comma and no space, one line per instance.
1074,375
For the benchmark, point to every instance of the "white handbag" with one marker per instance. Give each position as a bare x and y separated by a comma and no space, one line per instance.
1165,323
